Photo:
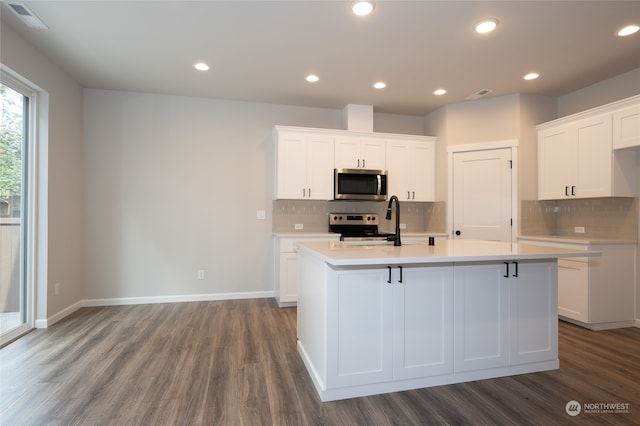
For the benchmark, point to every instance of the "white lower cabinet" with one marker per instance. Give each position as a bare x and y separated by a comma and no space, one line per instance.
378,328
389,323
286,266
505,314
596,292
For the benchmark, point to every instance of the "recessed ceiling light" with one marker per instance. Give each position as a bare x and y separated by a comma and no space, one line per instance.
486,26
201,66
531,76
380,85
628,30
312,78
362,7
439,92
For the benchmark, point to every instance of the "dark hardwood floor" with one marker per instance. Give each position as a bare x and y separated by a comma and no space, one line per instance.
235,363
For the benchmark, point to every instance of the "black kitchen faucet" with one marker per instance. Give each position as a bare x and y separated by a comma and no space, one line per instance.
396,241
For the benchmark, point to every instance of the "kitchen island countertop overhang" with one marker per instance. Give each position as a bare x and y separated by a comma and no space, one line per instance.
356,254
380,318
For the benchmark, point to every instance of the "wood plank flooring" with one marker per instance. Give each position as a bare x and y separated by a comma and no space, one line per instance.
235,363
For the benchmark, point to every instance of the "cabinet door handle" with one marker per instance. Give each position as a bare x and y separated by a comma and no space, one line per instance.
516,273
506,275
414,195
389,280
573,190
363,166
566,191
400,280
309,192
358,163
304,192
408,195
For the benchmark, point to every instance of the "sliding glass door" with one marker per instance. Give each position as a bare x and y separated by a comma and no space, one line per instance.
14,208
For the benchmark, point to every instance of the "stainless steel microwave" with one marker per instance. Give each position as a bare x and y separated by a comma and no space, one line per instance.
360,184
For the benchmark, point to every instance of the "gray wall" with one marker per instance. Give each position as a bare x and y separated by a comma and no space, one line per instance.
172,185
60,143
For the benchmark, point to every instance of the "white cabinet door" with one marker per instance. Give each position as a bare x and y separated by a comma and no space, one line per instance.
288,285
573,289
594,157
422,322
411,166
423,169
304,166
320,167
398,166
481,313
291,174
557,167
533,312
358,152
374,152
359,328
626,127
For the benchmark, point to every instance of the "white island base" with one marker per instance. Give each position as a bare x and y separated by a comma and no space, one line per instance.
376,320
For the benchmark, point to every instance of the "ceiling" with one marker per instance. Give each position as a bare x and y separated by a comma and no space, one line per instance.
260,51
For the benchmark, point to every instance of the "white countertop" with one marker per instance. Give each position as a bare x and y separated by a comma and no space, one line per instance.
575,240
444,251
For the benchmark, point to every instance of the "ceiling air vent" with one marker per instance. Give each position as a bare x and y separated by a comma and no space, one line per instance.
26,15
480,93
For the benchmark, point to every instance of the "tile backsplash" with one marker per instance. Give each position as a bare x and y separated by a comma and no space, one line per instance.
419,217
615,217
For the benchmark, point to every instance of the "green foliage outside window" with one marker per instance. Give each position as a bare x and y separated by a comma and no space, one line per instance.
11,127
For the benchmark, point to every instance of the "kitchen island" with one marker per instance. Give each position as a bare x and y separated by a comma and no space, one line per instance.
378,318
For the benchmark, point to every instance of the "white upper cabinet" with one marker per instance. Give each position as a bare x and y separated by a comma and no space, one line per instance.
360,152
304,166
576,158
411,167
626,127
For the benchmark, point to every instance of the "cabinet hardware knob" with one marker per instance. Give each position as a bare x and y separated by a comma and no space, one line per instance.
458,232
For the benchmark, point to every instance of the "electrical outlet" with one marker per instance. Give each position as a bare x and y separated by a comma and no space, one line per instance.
298,226
201,274
261,215
403,226
579,229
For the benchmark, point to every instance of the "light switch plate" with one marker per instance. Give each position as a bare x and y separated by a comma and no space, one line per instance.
261,215
579,229
298,226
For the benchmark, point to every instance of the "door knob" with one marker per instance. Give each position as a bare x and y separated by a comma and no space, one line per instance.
458,232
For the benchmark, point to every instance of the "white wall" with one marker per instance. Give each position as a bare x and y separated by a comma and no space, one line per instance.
62,218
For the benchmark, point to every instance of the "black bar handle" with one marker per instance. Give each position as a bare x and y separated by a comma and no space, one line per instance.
400,280
566,191
507,274
573,190
389,280
516,274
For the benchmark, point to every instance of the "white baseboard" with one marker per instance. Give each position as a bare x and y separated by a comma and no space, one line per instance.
178,298
637,322
44,323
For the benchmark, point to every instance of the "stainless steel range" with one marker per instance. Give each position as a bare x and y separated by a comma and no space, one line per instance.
358,227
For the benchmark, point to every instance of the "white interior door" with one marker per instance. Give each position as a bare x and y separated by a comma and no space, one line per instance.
482,194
